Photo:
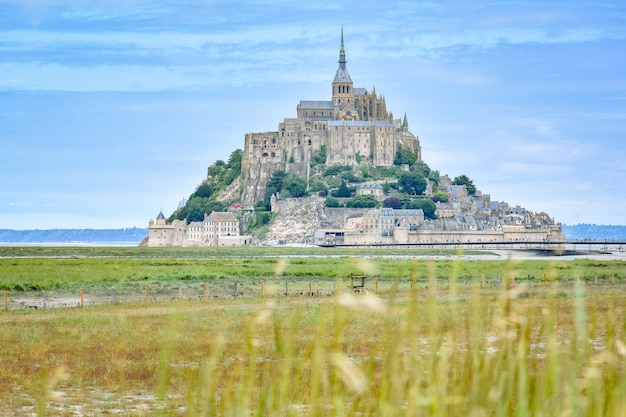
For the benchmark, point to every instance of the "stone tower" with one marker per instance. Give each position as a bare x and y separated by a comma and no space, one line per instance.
343,89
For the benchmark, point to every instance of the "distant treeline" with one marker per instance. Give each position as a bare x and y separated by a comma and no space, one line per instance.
129,235
594,232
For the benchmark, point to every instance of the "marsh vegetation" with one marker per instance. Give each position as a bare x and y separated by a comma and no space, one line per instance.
439,348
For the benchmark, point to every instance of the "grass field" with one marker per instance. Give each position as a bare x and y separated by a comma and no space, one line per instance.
440,348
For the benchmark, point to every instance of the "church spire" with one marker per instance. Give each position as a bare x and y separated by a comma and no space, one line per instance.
342,50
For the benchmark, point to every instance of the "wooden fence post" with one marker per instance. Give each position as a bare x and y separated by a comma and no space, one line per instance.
6,301
544,278
310,288
377,284
82,297
147,293
613,277
286,288
206,290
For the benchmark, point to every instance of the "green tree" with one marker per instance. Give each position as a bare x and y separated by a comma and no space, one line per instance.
336,169
259,206
467,182
440,196
414,203
194,210
412,183
234,161
350,177
294,185
320,157
203,190
362,201
343,191
332,202
404,156
392,202
274,185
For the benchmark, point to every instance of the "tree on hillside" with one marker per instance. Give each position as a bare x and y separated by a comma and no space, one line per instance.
332,202
343,191
412,183
294,185
415,203
203,190
362,201
235,160
194,209
440,196
392,202
274,185
467,182
320,157
404,156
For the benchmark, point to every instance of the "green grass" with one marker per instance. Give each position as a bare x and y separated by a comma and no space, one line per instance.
438,349
71,268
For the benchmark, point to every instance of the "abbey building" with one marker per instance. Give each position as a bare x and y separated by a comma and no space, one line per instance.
352,128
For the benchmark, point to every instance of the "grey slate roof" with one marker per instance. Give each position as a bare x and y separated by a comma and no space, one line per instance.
409,212
316,104
342,76
369,186
363,123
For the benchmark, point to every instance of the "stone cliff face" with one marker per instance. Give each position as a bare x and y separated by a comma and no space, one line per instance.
298,224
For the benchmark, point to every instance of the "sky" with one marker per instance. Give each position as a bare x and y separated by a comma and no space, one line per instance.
112,110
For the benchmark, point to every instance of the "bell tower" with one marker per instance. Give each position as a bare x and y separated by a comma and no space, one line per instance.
343,93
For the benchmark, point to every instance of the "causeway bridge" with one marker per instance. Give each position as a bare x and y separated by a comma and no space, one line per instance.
547,247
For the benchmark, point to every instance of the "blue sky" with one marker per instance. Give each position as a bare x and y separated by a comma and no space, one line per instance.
112,110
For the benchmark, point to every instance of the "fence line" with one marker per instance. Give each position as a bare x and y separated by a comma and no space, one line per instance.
160,291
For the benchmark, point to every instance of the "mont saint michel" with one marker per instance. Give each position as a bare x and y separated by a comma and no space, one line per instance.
342,171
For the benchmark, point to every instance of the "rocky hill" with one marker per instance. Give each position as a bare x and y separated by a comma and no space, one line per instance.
298,224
